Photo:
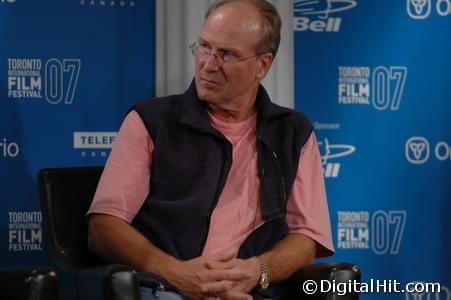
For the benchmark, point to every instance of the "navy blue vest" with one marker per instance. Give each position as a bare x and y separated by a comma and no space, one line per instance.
190,164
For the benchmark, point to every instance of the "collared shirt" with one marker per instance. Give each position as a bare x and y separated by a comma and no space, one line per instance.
124,186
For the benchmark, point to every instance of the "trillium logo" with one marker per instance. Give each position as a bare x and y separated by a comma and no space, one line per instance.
419,9
417,150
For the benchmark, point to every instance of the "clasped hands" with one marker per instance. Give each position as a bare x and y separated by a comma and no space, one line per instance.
215,276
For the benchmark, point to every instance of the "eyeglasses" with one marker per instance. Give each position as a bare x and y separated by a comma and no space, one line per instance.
222,56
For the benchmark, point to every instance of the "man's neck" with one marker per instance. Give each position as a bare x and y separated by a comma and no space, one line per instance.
232,115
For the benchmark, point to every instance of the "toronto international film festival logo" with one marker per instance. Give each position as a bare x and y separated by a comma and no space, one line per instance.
25,231
332,152
418,150
422,9
54,80
382,231
382,87
314,15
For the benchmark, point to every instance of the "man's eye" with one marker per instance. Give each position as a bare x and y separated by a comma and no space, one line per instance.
228,56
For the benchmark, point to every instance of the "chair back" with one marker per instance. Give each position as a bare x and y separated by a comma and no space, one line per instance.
66,194
29,284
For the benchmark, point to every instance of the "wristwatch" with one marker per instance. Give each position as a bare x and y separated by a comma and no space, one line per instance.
264,278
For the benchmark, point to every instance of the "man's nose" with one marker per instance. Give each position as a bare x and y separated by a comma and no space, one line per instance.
211,62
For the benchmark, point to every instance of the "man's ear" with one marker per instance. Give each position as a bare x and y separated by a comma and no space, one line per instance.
264,63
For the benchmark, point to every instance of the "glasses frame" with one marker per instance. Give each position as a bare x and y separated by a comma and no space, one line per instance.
194,47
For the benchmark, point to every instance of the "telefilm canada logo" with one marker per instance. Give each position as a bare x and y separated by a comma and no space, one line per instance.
382,231
331,155
419,150
319,15
382,87
94,143
423,9
108,3
25,231
54,80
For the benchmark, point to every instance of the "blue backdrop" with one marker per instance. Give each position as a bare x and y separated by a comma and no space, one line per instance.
69,71
374,78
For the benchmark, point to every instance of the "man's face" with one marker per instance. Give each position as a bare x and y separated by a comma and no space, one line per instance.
232,29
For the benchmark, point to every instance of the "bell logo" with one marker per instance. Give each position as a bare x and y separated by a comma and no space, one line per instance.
314,15
332,152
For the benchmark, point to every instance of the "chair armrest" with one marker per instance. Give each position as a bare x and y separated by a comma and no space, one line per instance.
109,282
339,272
24,284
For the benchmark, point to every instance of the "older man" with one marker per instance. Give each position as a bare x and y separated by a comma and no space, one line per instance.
217,190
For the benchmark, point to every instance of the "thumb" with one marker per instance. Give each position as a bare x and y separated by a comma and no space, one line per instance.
224,255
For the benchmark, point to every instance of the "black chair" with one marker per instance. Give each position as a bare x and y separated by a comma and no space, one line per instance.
66,196
28,284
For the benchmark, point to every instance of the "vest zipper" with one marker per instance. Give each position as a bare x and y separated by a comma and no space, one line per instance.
281,186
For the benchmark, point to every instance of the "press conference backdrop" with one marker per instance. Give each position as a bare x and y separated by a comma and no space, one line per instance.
374,77
69,71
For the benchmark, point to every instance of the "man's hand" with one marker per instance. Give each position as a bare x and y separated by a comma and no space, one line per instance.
227,289
208,276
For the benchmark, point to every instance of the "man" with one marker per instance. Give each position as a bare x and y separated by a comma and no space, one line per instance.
217,190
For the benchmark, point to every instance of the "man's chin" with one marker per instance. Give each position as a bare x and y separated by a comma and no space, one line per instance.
208,97
207,94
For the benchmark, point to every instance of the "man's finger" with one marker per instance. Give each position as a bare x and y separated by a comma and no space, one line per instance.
220,265
232,275
217,287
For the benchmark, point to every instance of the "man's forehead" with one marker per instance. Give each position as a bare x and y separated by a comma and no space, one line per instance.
231,26
237,15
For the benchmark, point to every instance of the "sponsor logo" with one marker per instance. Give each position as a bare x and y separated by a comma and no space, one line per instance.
418,150
419,9
54,80
381,232
7,1
333,152
94,143
94,140
443,294
422,9
315,15
326,126
25,231
382,87
110,3
8,149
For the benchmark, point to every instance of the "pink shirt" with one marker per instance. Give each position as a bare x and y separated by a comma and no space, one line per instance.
124,186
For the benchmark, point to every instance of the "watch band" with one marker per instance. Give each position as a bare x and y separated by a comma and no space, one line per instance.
264,278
